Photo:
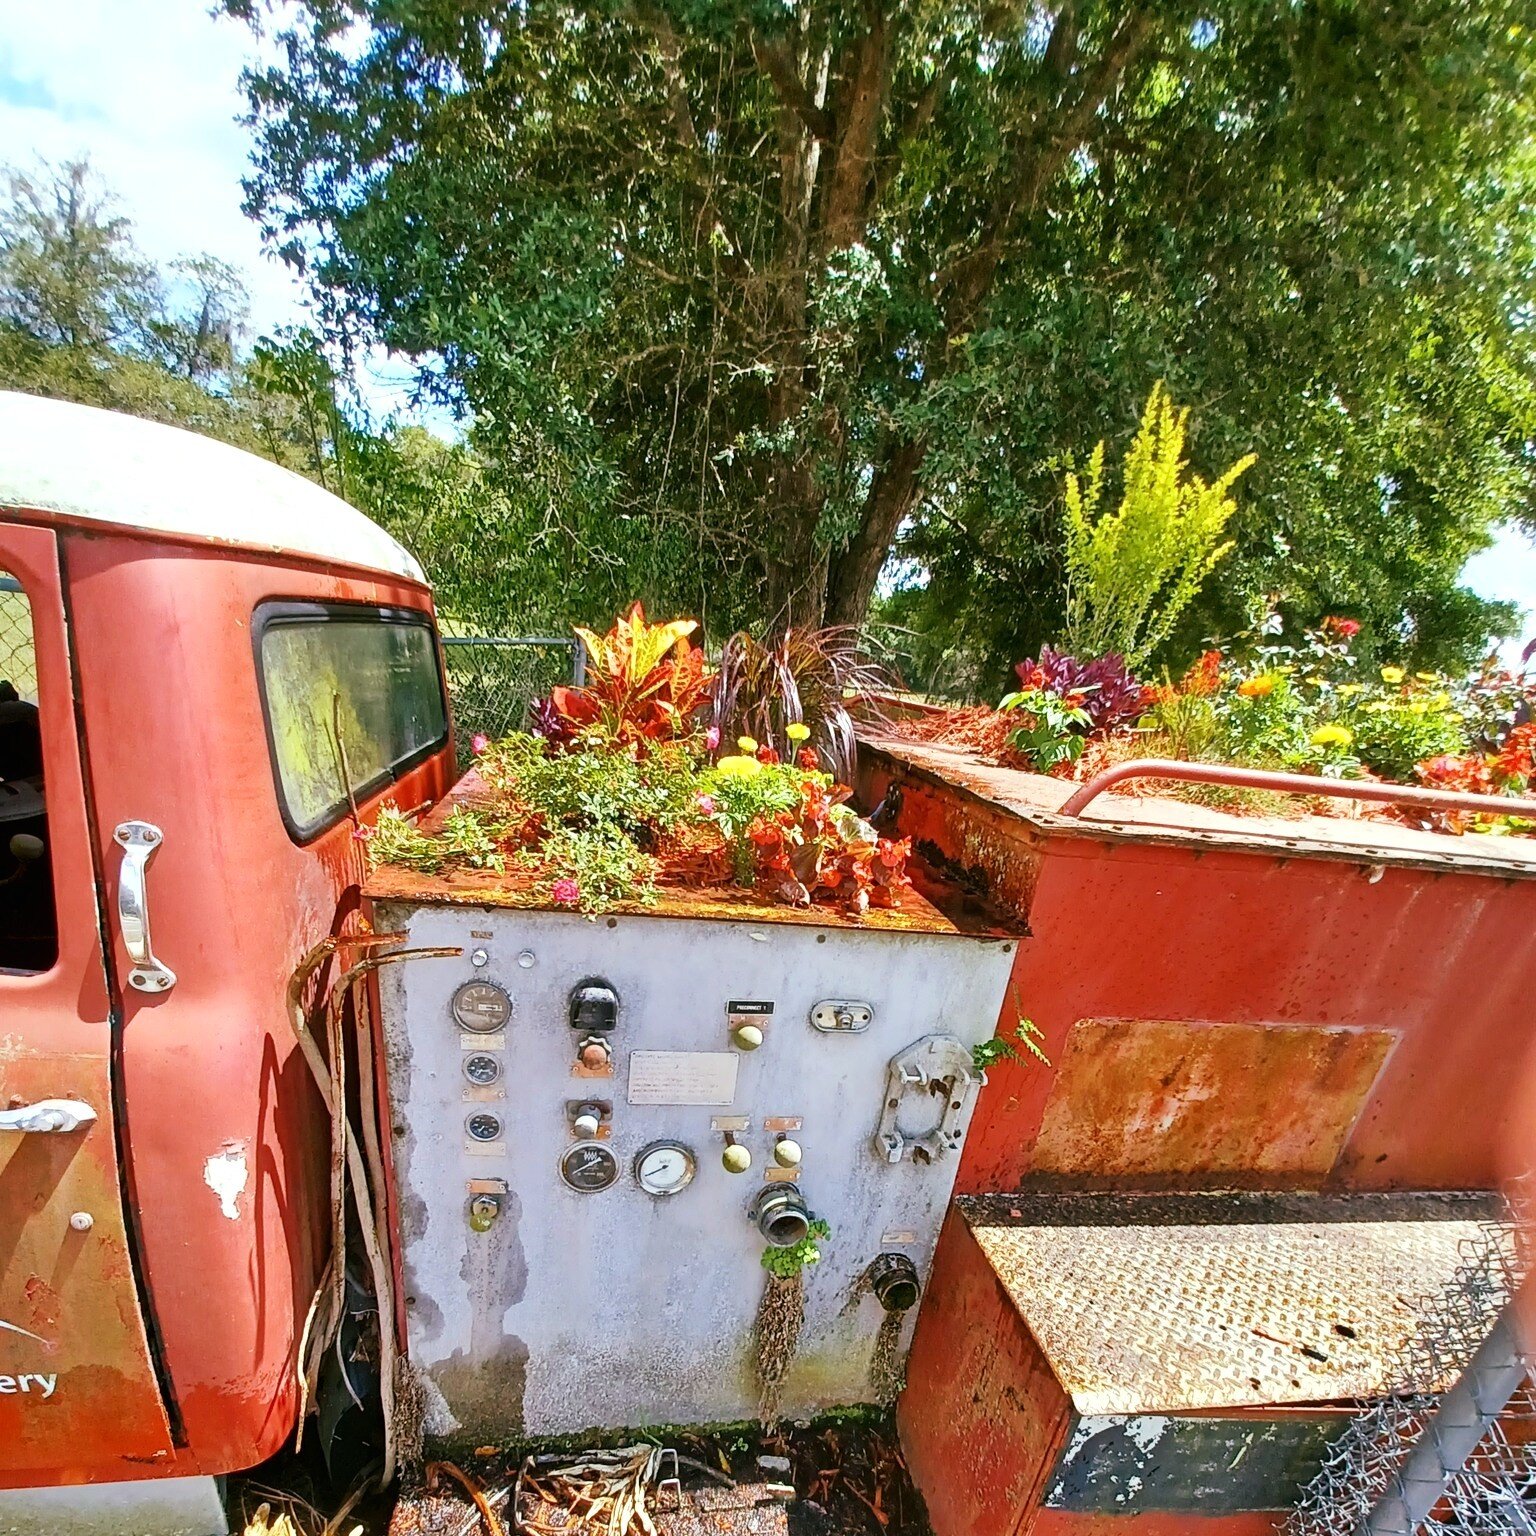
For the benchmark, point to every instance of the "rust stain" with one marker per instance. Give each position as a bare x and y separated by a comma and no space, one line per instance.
42,1303
992,853
73,1291
1138,1099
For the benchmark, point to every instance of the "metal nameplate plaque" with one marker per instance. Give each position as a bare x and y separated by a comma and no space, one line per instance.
682,1077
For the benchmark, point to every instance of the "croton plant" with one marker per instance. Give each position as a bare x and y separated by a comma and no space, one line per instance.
622,787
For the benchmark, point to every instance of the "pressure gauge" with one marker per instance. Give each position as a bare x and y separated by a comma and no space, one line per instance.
482,1070
483,1127
588,1166
482,1007
665,1168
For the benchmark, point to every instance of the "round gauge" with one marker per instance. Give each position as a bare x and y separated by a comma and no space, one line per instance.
665,1168
481,1006
482,1070
483,1127
588,1166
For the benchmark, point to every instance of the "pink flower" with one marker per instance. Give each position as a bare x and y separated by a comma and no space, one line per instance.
706,805
479,742
565,892
361,834
712,738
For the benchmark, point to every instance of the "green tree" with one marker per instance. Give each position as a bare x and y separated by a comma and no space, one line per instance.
84,316
745,297
70,274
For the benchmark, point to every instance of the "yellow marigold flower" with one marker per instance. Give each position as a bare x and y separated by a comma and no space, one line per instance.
798,731
1392,675
1348,690
738,767
1259,687
1427,677
1332,736
746,744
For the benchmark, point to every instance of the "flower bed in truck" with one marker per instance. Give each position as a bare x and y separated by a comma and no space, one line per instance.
632,784
1313,706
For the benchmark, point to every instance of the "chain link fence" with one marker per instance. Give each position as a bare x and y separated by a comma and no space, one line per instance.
494,679
18,659
1454,1452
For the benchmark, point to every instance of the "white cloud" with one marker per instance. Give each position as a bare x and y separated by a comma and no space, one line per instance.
150,91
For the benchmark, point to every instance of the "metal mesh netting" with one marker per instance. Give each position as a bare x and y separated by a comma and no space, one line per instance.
18,661
492,681
1402,1466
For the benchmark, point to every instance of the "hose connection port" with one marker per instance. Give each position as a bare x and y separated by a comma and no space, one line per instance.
893,1279
781,1215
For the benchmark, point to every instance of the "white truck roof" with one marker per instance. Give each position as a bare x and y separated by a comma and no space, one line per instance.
81,462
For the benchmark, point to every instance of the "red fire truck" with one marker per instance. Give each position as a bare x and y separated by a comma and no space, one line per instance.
1269,1039
178,621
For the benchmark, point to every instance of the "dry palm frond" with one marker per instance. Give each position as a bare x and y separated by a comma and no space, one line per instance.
604,1491
349,1167
264,1523
438,1470
286,1514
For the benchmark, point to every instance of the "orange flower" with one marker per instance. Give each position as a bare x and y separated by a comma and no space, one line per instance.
1259,687
1205,676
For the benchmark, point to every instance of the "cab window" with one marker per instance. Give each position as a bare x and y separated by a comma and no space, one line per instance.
29,940
353,698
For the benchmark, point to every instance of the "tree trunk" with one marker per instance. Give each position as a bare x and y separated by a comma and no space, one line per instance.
892,494
797,567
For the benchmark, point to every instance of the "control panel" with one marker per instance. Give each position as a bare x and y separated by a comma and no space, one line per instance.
609,1137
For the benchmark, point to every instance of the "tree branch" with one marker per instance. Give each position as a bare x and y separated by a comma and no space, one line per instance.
669,49
968,280
773,58
860,109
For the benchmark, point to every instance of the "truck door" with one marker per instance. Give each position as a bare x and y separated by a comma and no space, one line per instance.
78,1387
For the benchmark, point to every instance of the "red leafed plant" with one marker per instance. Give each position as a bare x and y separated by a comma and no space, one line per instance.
645,682
822,851
1509,771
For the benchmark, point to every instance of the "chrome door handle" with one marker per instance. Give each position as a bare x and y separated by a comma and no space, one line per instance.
47,1115
138,840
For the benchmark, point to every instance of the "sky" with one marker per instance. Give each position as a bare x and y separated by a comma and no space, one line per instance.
149,90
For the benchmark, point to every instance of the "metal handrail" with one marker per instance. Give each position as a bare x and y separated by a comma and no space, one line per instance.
1294,784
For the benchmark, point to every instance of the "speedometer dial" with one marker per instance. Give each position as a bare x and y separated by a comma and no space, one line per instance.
481,1006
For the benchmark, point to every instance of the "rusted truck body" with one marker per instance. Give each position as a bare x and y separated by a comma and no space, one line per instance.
1289,1061
183,626
1280,1049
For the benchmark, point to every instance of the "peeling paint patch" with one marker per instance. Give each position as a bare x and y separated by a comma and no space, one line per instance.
1145,1431
227,1173
1167,1464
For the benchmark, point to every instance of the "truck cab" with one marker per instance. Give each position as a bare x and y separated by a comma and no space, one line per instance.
212,674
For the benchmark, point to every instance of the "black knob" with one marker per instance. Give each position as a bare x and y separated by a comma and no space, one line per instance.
594,1005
